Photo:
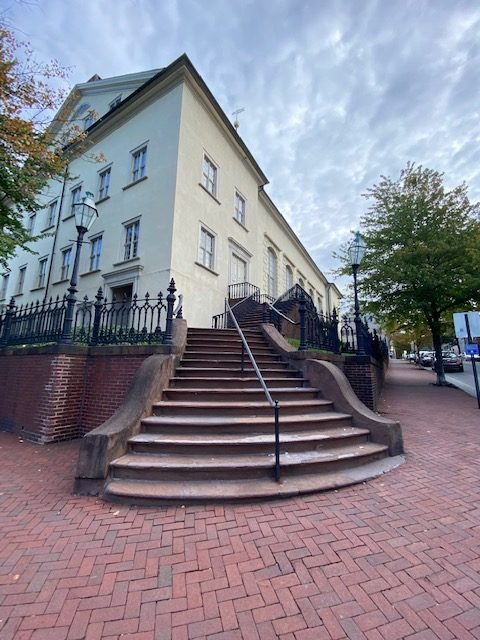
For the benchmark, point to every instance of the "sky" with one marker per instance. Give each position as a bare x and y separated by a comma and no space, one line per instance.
335,93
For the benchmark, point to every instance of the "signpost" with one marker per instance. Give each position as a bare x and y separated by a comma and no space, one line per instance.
467,325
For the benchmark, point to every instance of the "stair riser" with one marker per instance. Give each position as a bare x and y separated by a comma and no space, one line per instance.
232,373
244,411
266,427
230,354
238,383
225,343
245,448
230,363
186,473
234,395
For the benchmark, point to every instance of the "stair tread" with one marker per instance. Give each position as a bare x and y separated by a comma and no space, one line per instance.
326,416
164,490
220,390
317,402
257,460
205,438
236,378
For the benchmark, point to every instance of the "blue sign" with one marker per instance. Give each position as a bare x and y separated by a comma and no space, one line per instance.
472,349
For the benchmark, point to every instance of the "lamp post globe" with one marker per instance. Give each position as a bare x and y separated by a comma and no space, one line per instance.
356,251
85,215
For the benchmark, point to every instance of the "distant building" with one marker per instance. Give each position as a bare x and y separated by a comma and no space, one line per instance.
178,195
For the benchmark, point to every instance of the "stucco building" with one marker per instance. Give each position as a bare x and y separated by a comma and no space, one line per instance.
178,195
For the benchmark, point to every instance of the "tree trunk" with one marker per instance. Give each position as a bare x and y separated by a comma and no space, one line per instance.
437,345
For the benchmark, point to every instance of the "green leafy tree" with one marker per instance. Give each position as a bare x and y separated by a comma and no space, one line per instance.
423,252
29,157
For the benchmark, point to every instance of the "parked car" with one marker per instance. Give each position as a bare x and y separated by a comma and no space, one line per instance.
426,358
451,361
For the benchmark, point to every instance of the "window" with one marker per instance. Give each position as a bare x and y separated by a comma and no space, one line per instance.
209,177
42,272
104,185
272,273
130,248
31,223
114,103
21,279
95,252
75,198
239,213
207,249
66,260
319,304
238,270
288,277
3,293
52,213
139,163
88,121
301,283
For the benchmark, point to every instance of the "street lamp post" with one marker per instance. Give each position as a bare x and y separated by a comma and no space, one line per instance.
356,251
85,215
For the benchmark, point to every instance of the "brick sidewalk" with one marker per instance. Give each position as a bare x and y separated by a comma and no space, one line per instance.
398,557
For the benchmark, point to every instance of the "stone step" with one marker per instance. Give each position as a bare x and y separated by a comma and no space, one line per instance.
203,331
212,372
224,467
146,493
245,395
214,347
204,441
205,361
240,409
171,423
234,382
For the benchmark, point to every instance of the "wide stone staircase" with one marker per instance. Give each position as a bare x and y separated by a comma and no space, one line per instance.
211,437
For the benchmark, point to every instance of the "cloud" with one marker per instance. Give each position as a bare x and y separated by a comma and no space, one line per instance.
335,93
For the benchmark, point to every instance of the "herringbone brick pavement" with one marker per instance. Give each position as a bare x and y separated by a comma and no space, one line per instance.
398,557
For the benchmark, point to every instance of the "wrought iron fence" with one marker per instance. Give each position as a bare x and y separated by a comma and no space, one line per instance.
145,320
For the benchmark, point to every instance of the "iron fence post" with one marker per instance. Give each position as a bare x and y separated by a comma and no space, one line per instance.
170,302
72,290
302,312
335,337
97,316
7,322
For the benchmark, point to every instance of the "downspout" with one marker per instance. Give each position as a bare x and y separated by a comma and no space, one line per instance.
65,176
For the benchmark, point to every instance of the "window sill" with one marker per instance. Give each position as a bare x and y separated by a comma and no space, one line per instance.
209,193
87,273
240,224
61,281
136,259
38,288
52,226
17,295
72,215
102,199
132,184
199,264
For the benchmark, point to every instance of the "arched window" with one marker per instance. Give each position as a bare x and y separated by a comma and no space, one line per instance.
288,277
301,283
272,273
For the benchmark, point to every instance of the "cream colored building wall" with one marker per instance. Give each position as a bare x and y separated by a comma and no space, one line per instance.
150,200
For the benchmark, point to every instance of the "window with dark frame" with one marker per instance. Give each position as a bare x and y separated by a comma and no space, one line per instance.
104,185
207,249
209,176
21,279
95,253
42,272
239,213
131,240
5,279
66,261
52,213
76,197
139,163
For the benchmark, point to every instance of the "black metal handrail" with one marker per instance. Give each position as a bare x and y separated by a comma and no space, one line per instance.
271,402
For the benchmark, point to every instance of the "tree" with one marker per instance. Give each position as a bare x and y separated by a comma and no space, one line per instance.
28,155
423,252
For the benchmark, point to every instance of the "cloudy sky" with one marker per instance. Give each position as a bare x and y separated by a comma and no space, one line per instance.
335,92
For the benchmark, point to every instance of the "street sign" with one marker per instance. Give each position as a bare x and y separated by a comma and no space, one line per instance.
472,349
460,322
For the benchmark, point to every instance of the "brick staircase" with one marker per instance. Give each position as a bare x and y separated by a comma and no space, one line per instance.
212,435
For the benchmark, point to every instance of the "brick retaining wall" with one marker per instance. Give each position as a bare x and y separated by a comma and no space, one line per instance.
59,392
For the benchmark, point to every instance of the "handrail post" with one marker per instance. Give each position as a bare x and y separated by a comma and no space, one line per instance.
7,322
170,302
277,441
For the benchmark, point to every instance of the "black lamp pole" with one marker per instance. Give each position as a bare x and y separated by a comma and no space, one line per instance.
356,252
85,215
